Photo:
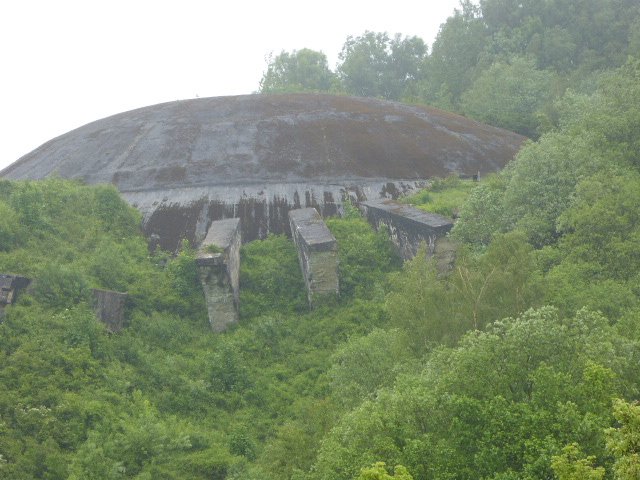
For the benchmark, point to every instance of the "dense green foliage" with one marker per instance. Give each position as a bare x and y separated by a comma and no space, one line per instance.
374,65
476,378
378,471
517,398
299,71
510,95
164,398
270,279
575,193
496,406
520,361
364,257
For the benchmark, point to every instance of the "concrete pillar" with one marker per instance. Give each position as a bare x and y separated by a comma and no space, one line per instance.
409,227
218,263
109,308
317,252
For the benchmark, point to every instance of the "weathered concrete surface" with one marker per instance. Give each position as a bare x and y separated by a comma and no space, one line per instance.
10,288
317,253
189,162
280,138
218,262
262,207
109,308
408,226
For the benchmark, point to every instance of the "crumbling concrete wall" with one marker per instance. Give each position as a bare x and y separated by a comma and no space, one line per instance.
317,252
109,308
10,287
263,208
408,227
218,263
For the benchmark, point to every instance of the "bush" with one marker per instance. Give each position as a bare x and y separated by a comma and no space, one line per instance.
444,196
61,286
270,278
9,227
365,257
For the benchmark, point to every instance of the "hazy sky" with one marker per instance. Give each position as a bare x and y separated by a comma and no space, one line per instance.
66,63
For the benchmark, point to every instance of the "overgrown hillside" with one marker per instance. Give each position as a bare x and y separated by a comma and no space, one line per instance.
524,393
520,362
165,398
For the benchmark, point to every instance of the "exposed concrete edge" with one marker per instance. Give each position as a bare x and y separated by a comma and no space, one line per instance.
295,193
219,272
408,226
317,253
409,213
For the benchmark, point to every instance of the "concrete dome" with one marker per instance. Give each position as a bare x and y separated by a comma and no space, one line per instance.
289,149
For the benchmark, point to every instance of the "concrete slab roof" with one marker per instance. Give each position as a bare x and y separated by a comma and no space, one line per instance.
221,233
246,139
410,213
311,227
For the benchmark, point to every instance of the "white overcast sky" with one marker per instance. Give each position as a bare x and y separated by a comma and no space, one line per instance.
66,63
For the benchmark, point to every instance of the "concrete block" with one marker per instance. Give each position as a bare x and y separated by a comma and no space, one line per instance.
109,308
218,263
10,287
317,252
408,226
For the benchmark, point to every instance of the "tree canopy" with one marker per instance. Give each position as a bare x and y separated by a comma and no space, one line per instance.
299,71
503,62
375,65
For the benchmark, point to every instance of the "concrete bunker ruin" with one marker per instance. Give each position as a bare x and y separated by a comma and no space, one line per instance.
188,163
218,263
109,308
317,253
408,226
10,288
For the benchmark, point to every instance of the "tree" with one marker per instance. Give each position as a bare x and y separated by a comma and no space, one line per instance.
500,404
378,471
364,364
433,308
451,67
603,224
624,442
596,135
299,71
365,257
421,305
571,465
510,95
375,65
482,214
561,35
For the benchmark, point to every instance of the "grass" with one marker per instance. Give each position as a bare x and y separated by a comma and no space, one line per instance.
211,248
442,196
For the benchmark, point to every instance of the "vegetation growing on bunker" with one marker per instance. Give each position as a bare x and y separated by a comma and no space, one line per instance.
443,196
518,362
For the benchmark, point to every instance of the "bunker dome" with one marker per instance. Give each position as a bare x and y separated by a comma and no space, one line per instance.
187,163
